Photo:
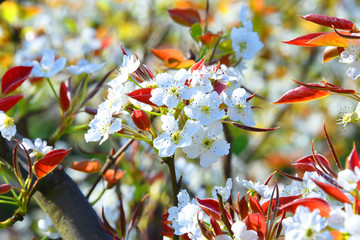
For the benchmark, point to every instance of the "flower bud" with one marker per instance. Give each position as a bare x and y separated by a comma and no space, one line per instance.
141,120
4,188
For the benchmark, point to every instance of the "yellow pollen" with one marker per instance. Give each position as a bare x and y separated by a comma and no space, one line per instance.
8,122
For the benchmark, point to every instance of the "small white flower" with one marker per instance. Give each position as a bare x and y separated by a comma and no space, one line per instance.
241,233
83,66
48,67
130,64
208,145
224,192
7,126
39,147
172,137
205,108
239,109
306,225
245,43
243,19
351,56
263,190
102,125
348,179
171,89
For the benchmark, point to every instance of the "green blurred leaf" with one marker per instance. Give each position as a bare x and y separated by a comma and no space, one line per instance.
196,31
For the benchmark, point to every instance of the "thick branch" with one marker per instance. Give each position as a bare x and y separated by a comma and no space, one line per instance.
64,203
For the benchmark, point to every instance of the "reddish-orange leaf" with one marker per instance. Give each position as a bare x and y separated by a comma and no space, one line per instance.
198,65
7,103
311,203
320,39
307,164
332,191
49,162
337,235
255,206
257,223
112,177
210,207
175,64
331,53
4,188
14,77
64,96
172,58
185,17
282,201
87,166
242,207
165,228
142,95
302,94
339,23
210,39
352,160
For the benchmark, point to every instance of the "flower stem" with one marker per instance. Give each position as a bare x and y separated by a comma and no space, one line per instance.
53,90
175,189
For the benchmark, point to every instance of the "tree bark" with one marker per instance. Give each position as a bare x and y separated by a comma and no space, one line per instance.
61,199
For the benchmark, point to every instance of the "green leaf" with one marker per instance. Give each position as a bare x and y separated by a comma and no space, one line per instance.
196,31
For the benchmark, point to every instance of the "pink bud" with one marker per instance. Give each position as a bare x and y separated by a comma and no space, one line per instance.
141,120
4,188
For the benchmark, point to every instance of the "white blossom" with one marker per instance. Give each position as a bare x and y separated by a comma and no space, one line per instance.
263,190
130,64
7,126
83,66
224,192
350,56
39,147
48,66
240,231
245,43
348,179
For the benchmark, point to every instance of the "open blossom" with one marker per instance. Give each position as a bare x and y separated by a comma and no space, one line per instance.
208,145
239,109
48,66
349,179
205,108
39,147
263,190
7,126
224,192
184,217
240,231
170,89
173,137
351,56
306,225
102,125
130,64
245,43
83,66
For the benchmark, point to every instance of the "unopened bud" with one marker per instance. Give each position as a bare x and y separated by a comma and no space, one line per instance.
91,110
4,188
141,120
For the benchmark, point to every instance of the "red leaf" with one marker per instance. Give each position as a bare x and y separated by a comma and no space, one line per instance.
185,17
307,164
320,39
332,191
210,39
14,77
311,203
210,207
339,23
352,160
4,188
7,103
243,207
302,94
64,96
87,166
49,162
248,128
282,201
198,65
142,95
166,230
112,177
255,206
215,226
331,53
257,223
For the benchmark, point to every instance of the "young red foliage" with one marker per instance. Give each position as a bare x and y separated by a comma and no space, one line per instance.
282,201
339,23
256,222
4,188
311,203
49,162
7,103
64,96
352,160
320,39
302,94
87,166
14,77
141,120
173,58
332,191
185,17
142,95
